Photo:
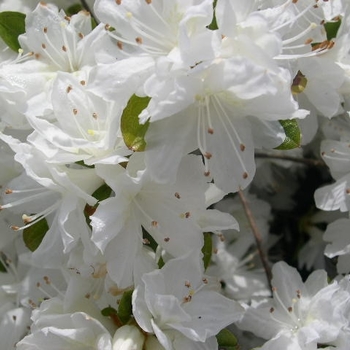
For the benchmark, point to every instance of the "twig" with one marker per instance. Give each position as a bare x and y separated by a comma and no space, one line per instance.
306,161
87,8
257,235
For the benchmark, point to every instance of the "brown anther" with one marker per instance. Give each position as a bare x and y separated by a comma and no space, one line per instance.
94,115
221,237
8,191
148,2
69,89
177,195
64,48
27,219
82,82
208,155
38,284
274,289
146,241
187,214
205,280
14,228
166,239
210,131
242,147
81,35
332,150
43,46
138,40
323,153
42,3
37,56
215,250
107,26
67,18
245,175
187,299
290,309
118,2
14,317
154,223
187,284
272,310
294,1
348,191
45,30
87,296
298,294
120,45
207,173
75,111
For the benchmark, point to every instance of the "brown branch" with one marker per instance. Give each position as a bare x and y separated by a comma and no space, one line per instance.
306,161
257,236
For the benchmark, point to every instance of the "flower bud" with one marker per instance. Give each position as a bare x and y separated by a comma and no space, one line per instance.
128,338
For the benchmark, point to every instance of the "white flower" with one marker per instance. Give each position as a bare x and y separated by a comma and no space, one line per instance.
62,328
174,214
53,42
300,315
179,298
337,234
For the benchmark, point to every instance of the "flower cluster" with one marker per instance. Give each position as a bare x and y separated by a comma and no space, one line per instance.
144,151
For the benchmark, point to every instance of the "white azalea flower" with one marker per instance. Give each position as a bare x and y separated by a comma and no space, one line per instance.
61,328
300,315
83,126
337,235
179,299
174,214
53,42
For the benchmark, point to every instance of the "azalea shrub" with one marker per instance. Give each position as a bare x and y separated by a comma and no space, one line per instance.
175,175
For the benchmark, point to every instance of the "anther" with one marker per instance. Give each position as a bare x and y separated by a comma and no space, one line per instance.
177,195
64,48
94,115
69,89
290,309
242,147
207,173
154,223
208,155
138,40
45,30
187,214
43,46
120,45
118,2
82,82
245,175
8,191
205,280
210,131
187,284
81,35
148,2
75,111
166,239
15,228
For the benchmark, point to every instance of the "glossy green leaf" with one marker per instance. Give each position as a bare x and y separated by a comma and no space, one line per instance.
133,132
34,234
207,249
227,341
12,24
109,311
332,29
293,135
125,307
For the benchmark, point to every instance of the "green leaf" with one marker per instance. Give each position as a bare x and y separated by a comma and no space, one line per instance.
102,193
293,135
73,9
109,311
125,307
213,25
134,132
34,234
12,24
207,249
227,341
332,29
